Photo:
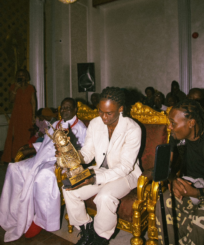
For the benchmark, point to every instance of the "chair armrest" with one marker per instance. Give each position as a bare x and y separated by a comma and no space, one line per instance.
19,156
139,205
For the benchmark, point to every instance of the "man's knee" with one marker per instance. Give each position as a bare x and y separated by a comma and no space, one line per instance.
46,174
106,199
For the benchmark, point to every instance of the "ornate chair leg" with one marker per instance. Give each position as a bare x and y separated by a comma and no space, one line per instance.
137,209
70,227
151,206
136,224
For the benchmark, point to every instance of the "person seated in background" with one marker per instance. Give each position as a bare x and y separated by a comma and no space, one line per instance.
159,102
44,117
184,201
196,94
43,121
114,141
175,90
149,100
49,116
30,199
172,100
94,101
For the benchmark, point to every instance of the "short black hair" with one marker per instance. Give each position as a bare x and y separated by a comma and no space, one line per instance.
115,94
192,110
39,112
151,89
73,101
174,83
201,92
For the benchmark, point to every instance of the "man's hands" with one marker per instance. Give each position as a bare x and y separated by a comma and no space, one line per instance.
90,181
182,188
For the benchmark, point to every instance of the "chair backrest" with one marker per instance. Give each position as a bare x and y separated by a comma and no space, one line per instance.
154,131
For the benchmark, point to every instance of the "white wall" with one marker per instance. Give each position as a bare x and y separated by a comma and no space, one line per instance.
135,43
197,25
66,45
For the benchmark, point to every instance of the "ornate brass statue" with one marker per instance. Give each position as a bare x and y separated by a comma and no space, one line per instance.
68,158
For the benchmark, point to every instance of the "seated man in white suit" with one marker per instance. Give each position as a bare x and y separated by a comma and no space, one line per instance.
114,141
30,193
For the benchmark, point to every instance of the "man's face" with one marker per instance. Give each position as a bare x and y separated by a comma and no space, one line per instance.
194,95
175,89
158,100
149,93
67,110
21,75
109,111
181,127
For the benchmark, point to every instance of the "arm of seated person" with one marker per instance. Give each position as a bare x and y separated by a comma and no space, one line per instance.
27,150
183,188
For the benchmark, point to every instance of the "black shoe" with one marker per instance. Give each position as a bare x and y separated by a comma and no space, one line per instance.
87,234
99,240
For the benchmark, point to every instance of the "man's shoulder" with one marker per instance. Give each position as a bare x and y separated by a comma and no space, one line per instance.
96,121
81,124
131,123
55,124
181,93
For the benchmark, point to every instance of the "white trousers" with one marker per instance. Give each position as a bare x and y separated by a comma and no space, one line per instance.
106,202
28,196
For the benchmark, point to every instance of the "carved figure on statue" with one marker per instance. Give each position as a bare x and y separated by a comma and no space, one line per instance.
68,157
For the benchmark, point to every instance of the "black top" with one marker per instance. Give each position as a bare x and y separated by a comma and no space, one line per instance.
193,159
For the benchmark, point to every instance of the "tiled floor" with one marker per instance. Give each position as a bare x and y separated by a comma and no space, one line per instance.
60,237
43,238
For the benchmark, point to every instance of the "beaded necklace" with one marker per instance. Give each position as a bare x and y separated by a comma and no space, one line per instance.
75,122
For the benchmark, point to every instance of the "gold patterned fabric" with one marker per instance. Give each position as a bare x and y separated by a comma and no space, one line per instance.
185,222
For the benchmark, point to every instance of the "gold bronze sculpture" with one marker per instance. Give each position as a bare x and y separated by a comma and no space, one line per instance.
68,158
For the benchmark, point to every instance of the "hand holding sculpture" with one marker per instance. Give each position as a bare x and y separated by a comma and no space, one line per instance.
68,157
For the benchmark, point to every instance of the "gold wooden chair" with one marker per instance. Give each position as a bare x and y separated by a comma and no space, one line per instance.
141,205
146,207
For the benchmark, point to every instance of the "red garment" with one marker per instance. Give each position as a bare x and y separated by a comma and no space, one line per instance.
20,123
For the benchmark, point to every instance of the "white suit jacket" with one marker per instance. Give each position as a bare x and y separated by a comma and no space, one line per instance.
121,151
